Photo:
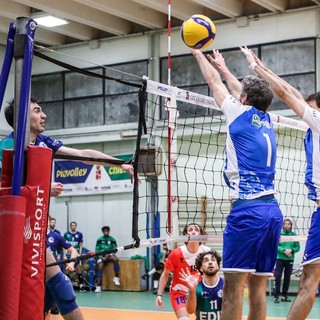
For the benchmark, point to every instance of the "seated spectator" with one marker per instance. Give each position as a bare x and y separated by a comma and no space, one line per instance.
106,242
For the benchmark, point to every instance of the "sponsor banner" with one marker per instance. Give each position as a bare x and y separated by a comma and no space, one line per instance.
79,178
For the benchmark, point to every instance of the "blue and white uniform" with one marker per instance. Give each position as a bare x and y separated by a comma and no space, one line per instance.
312,181
253,226
43,141
250,151
55,242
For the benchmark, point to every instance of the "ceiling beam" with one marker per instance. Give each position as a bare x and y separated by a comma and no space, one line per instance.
272,5
127,9
180,9
229,8
12,10
81,14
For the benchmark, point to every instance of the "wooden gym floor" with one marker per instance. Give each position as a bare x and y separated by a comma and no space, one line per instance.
116,305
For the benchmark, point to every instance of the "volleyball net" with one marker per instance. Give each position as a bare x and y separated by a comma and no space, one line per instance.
183,160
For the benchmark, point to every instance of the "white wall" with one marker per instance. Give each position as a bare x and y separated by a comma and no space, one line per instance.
92,212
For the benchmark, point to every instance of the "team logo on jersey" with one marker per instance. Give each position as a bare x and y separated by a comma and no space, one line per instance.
220,293
50,239
43,145
256,120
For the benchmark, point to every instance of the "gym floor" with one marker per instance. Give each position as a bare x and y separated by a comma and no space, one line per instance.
116,305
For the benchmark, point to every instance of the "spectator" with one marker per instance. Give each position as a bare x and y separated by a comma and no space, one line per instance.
158,269
52,225
76,239
106,242
285,259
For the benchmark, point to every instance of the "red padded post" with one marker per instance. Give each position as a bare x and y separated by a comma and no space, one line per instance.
12,217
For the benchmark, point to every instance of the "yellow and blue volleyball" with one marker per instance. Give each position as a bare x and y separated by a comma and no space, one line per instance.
198,31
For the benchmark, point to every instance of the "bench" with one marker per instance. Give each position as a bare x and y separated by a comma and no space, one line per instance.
130,276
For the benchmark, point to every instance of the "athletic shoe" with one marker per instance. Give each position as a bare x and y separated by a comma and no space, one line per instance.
54,310
82,289
98,289
145,276
116,281
285,299
276,300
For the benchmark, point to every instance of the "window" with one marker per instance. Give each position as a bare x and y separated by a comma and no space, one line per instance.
293,60
73,100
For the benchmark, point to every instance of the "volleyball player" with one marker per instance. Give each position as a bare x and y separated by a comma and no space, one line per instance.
75,237
181,258
37,125
309,111
55,242
205,297
253,226
59,285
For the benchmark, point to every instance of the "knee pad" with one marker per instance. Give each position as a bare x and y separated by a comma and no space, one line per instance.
61,290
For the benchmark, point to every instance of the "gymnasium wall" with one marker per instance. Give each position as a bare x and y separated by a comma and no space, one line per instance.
92,212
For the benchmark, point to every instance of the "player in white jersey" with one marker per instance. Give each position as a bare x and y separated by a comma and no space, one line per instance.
181,258
309,111
253,226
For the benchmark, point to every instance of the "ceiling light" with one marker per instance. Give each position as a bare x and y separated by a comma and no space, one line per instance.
47,20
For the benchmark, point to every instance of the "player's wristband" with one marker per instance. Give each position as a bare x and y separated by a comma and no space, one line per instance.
159,295
252,65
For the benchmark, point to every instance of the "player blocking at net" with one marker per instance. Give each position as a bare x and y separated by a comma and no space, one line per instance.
309,111
253,226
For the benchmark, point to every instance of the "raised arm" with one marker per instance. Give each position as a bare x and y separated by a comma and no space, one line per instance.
233,83
263,66
283,90
212,76
94,154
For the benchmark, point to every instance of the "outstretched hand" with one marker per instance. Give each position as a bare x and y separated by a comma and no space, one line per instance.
217,60
56,189
195,52
128,168
248,53
191,280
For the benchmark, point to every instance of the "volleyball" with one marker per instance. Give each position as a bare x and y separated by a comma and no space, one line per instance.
198,31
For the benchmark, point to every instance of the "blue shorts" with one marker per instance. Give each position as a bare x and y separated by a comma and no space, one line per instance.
312,250
251,237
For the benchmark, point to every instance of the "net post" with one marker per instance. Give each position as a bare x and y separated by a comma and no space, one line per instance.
23,52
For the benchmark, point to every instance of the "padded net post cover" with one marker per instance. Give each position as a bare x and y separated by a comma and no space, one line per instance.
36,192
